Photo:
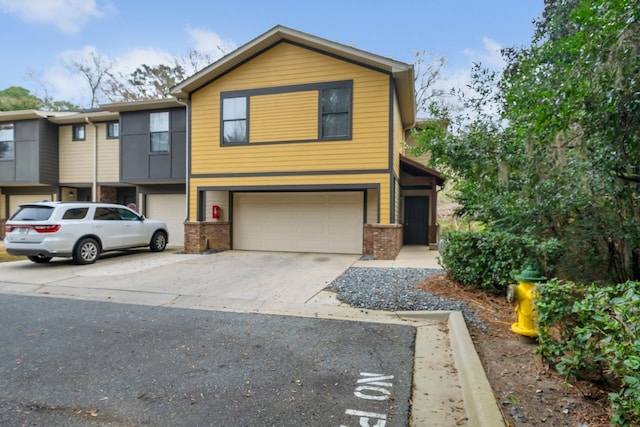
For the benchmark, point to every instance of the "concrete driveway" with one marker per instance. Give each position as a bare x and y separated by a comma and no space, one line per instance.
232,280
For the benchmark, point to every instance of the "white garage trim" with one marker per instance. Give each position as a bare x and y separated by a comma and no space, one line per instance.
169,208
323,222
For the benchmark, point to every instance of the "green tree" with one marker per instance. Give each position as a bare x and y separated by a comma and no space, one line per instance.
18,98
562,159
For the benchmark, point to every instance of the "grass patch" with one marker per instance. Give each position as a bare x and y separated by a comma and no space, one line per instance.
5,257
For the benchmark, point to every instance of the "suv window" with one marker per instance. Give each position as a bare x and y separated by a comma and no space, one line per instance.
106,214
32,213
127,215
75,213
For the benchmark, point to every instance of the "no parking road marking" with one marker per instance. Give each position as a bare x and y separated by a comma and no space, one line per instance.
372,387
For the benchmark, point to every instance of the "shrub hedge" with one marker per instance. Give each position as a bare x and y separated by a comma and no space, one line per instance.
588,332
593,330
490,260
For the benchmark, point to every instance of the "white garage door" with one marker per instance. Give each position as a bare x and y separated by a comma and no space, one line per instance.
299,222
16,200
169,208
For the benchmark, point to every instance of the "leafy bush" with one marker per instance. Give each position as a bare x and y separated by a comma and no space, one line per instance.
587,331
490,259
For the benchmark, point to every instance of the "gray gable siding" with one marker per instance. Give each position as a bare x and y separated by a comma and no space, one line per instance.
49,148
27,151
35,154
138,163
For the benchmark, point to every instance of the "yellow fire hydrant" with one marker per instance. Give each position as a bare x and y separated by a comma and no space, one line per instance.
522,295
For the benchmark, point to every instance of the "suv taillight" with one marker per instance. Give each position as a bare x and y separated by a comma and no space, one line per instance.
49,228
40,228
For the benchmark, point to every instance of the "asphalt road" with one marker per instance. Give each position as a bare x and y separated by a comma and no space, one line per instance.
83,363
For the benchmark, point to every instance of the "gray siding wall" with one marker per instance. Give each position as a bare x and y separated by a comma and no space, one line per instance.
138,164
27,166
49,162
27,153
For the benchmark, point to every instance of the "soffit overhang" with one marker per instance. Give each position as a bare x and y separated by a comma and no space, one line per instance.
413,173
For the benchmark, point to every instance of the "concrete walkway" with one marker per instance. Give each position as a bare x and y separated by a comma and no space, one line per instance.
450,386
413,256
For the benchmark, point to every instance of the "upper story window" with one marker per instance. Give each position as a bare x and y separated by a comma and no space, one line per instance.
6,141
79,133
159,129
113,130
335,112
234,120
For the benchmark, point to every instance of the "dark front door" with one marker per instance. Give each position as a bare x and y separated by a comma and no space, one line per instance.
416,220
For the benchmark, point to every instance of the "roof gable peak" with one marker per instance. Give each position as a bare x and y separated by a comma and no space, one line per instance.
402,73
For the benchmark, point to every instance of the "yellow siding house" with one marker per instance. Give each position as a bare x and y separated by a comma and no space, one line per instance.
296,144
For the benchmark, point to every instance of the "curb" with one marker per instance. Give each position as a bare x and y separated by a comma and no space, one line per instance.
482,410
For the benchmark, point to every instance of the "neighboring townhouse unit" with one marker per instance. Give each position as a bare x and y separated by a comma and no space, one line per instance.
296,144
153,159
132,154
65,156
28,159
88,158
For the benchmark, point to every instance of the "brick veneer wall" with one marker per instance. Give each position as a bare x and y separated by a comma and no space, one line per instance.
200,236
382,241
107,194
3,221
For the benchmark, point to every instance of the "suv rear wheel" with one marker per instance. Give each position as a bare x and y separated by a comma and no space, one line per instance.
86,251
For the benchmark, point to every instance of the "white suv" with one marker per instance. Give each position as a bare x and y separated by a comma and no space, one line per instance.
80,230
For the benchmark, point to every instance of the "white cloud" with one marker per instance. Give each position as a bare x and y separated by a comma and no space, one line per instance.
209,42
68,15
134,58
63,84
452,80
489,56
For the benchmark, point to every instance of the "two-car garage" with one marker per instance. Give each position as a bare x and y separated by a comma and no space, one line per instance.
323,222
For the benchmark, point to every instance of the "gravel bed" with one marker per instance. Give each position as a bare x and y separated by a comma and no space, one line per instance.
394,289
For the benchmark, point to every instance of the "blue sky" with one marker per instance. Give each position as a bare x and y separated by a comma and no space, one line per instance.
41,36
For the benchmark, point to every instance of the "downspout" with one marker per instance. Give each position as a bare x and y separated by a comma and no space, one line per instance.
94,181
187,157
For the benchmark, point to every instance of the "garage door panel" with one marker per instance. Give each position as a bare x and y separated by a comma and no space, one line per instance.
16,200
299,222
169,208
